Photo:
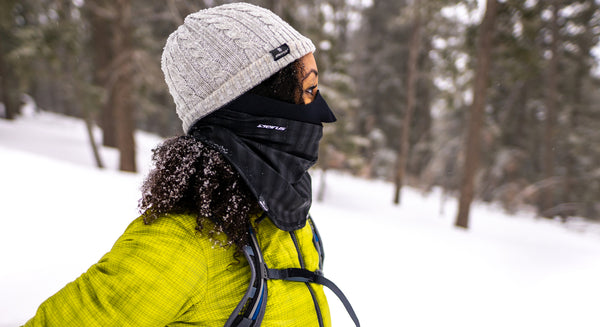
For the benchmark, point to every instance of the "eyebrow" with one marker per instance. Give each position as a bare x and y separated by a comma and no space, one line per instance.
310,72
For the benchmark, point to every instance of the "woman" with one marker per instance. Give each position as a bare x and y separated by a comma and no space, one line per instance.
245,85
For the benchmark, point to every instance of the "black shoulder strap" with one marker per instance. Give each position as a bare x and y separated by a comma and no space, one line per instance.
251,309
307,276
254,301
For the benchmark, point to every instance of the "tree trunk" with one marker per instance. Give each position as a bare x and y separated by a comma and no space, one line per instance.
177,18
122,87
7,86
102,57
473,137
276,6
324,164
411,95
9,91
322,185
547,196
108,121
89,125
76,98
581,102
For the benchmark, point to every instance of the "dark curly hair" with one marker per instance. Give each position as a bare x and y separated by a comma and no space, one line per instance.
283,85
191,177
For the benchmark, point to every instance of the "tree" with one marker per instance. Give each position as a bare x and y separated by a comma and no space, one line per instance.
9,86
112,57
547,196
99,17
121,89
68,63
514,169
411,90
473,136
381,52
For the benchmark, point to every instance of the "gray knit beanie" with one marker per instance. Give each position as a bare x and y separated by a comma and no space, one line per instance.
220,53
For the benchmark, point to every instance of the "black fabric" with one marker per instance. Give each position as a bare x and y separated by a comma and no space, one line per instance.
316,112
271,154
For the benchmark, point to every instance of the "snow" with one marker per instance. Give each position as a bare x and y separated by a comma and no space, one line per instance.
399,266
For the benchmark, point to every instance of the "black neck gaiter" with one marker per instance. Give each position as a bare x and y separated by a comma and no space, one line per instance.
272,145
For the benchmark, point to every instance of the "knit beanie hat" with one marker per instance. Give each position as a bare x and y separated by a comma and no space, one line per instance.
222,52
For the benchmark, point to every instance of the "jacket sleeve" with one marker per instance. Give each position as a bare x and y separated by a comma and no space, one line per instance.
151,276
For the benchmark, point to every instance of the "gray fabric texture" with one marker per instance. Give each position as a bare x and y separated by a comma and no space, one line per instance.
222,52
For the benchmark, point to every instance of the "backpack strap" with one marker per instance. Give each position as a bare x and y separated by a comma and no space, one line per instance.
254,301
251,309
307,276
317,242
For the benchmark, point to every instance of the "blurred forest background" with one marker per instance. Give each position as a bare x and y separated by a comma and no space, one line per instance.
490,100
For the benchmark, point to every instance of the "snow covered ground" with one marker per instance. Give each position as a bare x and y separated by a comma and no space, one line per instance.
399,266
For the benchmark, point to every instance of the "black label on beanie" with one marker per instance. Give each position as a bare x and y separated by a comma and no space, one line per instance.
280,52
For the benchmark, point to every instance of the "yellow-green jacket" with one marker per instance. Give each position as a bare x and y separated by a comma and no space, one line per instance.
168,274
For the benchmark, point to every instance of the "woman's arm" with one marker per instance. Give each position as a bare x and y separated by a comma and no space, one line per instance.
151,276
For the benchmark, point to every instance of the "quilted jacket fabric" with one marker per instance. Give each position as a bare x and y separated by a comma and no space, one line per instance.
169,274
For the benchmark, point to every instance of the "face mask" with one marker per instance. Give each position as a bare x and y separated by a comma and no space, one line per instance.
271,151
316,112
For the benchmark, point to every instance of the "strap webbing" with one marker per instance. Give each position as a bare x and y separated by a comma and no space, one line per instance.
251,309
307,276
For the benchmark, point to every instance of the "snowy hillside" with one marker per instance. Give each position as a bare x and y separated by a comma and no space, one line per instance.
399,266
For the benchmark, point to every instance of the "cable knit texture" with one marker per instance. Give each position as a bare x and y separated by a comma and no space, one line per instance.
220,53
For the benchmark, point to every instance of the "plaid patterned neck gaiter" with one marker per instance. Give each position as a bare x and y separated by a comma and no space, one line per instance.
272,155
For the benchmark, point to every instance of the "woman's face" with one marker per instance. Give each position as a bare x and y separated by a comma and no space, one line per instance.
309,78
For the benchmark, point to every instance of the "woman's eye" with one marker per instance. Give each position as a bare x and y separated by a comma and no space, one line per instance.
311,90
